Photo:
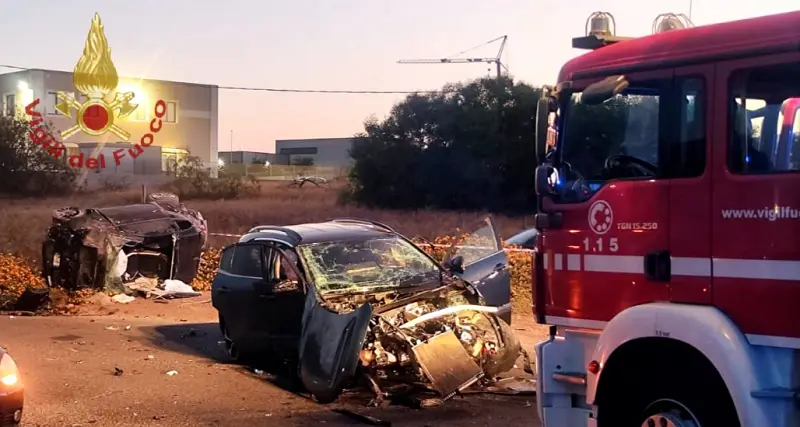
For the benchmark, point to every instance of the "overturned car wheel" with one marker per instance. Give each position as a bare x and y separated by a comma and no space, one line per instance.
62,215
167,200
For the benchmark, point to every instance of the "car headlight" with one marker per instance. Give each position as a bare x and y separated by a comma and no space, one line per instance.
9,374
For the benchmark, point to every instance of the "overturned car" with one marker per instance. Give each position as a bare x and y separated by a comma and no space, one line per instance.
352,300
103,247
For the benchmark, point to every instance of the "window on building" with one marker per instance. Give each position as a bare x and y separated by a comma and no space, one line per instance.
10,105
298,150
171,115
52,101
171,159
764,129
140,113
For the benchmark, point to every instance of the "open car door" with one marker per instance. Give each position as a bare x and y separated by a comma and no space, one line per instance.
485,264
330,344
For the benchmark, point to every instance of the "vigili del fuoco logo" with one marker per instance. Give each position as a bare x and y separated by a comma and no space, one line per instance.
95,76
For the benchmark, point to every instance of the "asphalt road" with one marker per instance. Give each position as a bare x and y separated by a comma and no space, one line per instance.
69,368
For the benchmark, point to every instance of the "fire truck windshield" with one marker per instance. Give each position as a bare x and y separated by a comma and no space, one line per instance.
612,140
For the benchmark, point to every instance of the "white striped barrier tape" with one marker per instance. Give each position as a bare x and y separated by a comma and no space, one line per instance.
436,245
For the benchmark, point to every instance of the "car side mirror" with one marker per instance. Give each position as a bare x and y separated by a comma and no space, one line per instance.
456,265
546,180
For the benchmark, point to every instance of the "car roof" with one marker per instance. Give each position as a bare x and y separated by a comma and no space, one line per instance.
319,232
727,40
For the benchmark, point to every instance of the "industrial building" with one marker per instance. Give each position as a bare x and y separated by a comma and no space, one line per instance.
252,158
327,152
189,122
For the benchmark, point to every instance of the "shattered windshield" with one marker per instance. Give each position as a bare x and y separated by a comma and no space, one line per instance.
373,264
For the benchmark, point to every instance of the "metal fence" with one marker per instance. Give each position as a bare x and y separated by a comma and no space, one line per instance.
284,172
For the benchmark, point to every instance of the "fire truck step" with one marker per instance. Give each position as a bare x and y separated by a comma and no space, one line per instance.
574,378
777,393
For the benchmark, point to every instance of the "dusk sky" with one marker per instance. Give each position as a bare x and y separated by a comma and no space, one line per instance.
323,44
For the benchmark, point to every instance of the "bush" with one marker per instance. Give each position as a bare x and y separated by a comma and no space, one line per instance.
30,169
193,181
209,262
15,277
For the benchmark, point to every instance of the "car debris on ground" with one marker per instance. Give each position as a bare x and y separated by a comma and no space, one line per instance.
151,248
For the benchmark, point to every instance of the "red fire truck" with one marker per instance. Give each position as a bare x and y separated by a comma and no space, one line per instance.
669,262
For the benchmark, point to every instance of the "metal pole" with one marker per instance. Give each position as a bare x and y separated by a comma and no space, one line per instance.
690,10
231,158
499,71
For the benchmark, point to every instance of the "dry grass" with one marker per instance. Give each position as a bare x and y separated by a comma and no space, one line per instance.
23,223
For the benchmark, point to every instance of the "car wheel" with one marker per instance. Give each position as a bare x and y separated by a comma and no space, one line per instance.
231,349
164,199
326,398
63,215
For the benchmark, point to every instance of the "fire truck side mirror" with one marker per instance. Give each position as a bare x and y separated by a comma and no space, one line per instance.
542,114
546,180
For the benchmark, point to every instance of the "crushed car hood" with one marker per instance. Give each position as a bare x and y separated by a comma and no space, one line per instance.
441,337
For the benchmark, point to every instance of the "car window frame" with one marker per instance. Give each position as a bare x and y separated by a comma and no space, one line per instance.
220,266
275,251
262,254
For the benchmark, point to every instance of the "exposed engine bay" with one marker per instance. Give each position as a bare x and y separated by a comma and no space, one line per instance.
105,247
441,340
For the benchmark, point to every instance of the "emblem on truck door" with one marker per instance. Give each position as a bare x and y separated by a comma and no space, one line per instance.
600,217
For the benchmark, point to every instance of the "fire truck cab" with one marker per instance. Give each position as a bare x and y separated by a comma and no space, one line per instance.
669,254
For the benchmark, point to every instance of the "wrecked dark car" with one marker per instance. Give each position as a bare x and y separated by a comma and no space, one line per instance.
350,300
104,247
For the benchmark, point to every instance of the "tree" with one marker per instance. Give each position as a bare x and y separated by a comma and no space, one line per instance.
468,146
29,169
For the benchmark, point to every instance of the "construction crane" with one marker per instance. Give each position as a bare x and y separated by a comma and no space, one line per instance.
452,60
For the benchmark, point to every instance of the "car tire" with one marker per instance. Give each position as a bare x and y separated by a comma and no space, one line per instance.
326,398
231,349
164,199
63,215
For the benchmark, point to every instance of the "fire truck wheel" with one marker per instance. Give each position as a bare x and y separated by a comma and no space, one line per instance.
670,385
688,404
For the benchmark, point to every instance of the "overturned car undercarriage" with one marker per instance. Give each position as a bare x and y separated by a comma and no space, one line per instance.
104,247
441,340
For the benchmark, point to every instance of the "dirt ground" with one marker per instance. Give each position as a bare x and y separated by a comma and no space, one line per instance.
68,366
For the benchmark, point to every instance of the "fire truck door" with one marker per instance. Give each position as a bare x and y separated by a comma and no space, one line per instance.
690,186
756,202
612,251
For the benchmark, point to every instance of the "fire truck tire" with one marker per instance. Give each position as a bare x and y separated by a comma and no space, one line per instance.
679,390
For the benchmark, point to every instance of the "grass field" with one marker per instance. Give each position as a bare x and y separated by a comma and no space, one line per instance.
23,223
